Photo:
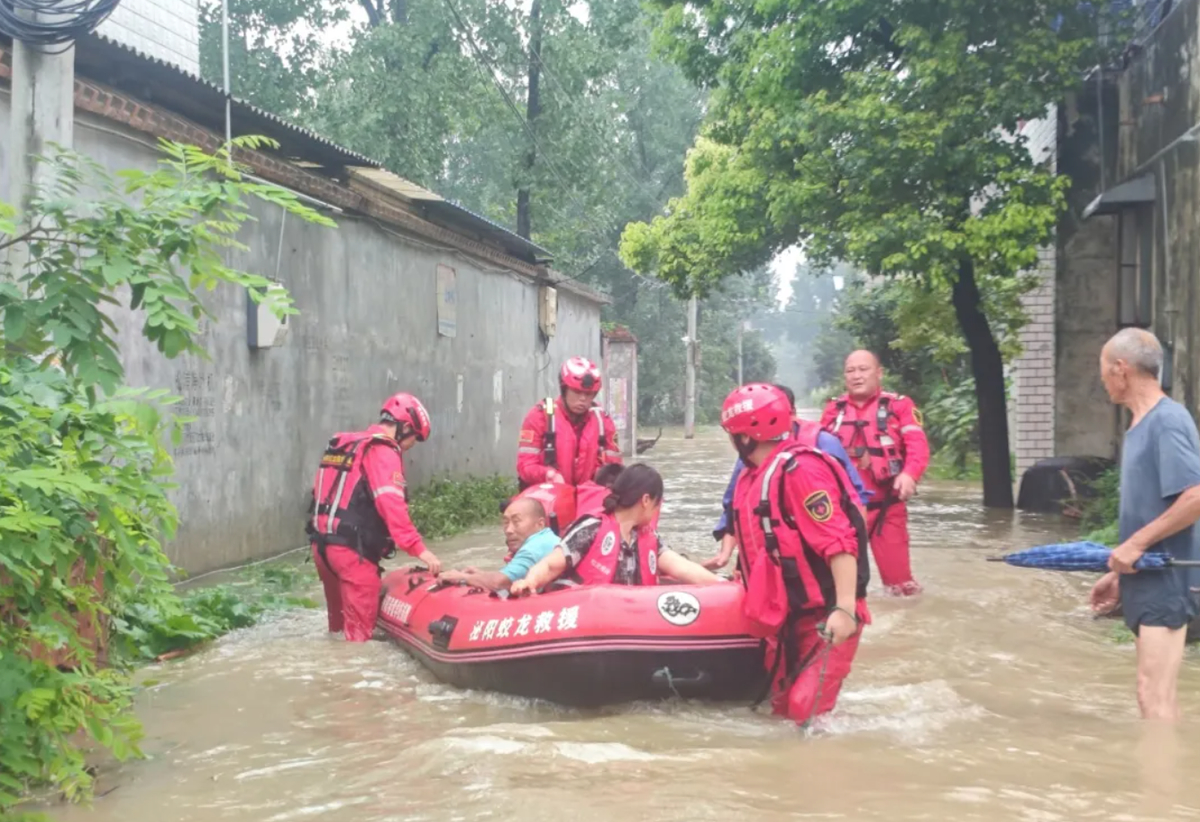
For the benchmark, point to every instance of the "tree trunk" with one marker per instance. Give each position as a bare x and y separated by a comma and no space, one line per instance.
987,366
532,109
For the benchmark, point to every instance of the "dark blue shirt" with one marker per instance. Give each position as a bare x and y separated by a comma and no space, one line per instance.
828,443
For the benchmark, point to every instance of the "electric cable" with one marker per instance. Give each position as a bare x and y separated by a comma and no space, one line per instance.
42,23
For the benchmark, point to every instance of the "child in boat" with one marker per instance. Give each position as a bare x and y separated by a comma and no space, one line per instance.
620,546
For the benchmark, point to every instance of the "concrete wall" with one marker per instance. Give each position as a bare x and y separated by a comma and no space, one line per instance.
620,389
1033,372
1086,288
166,29
368,327
1160,93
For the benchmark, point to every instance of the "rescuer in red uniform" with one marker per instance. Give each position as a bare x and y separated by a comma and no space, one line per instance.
360,514
882,432
801,537
567,439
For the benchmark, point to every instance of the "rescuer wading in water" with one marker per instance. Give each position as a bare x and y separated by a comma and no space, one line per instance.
359,514
884,433
801,537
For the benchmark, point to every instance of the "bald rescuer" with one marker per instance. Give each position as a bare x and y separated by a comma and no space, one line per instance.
359,514
802,538
883,432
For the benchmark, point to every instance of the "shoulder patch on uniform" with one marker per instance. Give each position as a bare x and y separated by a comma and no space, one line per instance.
526,435
398,478
918,416
819,506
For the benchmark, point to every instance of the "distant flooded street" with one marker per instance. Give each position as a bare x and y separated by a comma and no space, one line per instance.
995,696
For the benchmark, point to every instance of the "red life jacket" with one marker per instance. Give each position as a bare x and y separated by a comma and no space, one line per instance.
599,564
883,441
586,449
771,543
558,500
343,508
589,499
806,432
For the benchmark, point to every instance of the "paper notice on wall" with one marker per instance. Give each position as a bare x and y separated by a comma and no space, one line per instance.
447,301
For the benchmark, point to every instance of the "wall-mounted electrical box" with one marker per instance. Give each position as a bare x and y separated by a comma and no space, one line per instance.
263,328
548,309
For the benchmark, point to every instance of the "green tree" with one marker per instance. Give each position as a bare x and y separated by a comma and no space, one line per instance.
84,473
880,133
611,127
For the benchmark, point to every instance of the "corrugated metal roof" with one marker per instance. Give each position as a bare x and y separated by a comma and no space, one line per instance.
435,205
125,67
156,81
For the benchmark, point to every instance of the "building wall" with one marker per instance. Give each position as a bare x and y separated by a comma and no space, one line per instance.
1125,124
1033,371
1160,93
1086,304
367,327
620,390
166,29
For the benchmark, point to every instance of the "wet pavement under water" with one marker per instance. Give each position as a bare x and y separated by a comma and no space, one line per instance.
994,696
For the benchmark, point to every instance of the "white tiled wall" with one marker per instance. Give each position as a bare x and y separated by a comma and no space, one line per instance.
1033,372
166,29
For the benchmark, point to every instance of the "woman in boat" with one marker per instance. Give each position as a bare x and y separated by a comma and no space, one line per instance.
620,546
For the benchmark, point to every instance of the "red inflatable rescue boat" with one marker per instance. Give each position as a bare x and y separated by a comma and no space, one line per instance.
579,646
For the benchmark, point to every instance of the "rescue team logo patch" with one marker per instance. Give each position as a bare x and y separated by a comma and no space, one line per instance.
678,608
526,436
819,506
919,417
609,543
398,479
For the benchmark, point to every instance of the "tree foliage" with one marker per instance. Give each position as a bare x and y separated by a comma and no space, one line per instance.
885,134
84,473
438,93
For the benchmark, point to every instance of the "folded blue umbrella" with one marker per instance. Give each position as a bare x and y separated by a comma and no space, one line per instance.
1082,556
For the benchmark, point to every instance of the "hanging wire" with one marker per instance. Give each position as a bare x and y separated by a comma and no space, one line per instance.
42,23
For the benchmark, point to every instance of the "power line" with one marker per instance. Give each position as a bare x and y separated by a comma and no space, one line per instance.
42,23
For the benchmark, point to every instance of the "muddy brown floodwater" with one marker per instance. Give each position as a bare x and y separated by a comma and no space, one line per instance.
995,696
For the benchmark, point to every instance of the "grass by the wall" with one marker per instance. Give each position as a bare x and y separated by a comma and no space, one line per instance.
446,507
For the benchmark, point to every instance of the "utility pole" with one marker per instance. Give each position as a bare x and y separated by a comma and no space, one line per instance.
689,408
741,325
225,71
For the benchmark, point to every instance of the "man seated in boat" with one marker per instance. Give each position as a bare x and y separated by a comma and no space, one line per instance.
619,547
564,504
529,540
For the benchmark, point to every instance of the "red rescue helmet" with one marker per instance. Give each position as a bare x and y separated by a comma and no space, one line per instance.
580,374
760,411
406,410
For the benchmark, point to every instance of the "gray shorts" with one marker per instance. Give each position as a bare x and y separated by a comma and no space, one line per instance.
1160,598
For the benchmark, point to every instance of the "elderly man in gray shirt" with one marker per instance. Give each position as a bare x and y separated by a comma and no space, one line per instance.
1160,504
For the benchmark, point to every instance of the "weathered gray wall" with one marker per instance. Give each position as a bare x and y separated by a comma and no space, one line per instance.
1086,289
1161,91
367,328
620,390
